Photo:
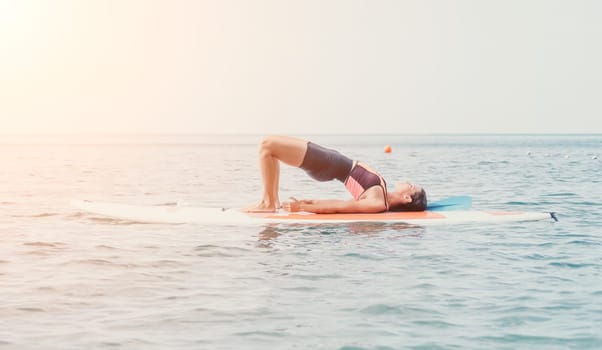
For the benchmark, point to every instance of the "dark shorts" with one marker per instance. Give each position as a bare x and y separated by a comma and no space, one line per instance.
324,164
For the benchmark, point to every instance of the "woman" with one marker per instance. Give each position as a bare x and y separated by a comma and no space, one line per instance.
368,188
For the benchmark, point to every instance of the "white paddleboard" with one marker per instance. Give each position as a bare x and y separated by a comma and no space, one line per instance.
219,216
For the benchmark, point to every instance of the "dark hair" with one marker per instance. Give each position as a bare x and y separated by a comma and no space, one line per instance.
418,203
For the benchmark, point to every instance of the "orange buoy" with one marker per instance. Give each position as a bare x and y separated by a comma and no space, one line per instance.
388,149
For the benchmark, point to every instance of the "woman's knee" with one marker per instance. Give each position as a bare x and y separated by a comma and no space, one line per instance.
271,143
267,145
287,149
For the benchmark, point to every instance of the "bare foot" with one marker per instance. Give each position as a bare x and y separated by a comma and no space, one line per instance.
261,208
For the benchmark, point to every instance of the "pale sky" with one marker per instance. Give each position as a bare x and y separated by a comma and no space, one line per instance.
300,67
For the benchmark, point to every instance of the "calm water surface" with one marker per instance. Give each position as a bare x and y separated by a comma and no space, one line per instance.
70,280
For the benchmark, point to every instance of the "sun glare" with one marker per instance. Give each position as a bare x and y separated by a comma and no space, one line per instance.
12,13
19,21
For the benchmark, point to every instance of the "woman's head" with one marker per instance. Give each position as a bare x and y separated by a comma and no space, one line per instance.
408,197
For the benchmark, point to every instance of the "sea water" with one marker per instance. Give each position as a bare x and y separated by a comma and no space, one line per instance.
71,280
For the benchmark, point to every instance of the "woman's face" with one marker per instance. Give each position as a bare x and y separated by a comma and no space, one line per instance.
407,188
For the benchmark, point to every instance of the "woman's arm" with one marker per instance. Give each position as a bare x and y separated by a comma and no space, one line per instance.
330,206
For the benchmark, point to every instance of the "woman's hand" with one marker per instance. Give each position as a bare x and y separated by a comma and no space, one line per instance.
295,205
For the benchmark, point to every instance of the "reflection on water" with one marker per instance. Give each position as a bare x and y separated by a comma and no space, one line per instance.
272,232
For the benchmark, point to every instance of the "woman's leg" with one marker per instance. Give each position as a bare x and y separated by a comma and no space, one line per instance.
272,151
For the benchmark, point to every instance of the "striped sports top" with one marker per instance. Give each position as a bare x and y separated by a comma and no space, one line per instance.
361,177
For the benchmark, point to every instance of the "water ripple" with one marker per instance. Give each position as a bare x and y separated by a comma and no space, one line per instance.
211,250
382,309
535,340
571,265
31,309
261,334
364,256
317,277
